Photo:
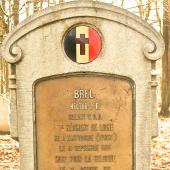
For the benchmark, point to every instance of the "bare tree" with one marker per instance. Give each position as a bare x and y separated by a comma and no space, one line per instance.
36,3
4,29
165,108
61,1
15,11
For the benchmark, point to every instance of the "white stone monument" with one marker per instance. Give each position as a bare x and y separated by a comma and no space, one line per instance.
83,88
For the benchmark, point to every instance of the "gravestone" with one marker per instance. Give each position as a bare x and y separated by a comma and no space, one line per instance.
83,88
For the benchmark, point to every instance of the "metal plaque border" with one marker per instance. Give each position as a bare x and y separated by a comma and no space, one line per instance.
88,74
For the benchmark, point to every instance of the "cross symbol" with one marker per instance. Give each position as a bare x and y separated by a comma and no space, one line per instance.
82,41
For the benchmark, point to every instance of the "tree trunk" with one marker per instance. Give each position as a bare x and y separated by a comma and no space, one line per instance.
61,1
15,10
4,29
165,91
36,5
1,86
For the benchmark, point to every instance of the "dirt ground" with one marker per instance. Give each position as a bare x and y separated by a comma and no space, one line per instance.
9,150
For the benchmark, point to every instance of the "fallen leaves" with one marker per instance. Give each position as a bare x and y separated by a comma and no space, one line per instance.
9,153
161,147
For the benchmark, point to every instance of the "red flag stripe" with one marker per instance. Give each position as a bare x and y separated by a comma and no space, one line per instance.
94,44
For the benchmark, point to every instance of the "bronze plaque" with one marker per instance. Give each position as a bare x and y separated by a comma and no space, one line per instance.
84,122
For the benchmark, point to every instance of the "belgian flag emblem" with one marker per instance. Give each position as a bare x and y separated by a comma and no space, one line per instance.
82,44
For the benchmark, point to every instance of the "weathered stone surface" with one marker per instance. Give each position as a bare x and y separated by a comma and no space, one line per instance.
129,49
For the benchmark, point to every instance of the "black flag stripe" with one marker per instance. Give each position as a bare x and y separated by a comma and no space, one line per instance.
70,44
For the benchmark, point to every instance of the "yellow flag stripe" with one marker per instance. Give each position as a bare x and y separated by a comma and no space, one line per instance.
82,30
82,58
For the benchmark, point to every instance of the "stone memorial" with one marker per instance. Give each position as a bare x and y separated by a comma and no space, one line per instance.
83,88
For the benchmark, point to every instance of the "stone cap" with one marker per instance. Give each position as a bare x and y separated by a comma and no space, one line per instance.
152,51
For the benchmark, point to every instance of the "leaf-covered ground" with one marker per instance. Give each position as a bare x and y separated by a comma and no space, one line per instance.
9,153
161,147
9,150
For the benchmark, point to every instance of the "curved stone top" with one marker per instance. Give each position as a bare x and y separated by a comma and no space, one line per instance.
152,51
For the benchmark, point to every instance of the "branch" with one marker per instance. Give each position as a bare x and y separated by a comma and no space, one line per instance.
22,7
137,6
157,14
3,11
19,10
148,11
122,4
